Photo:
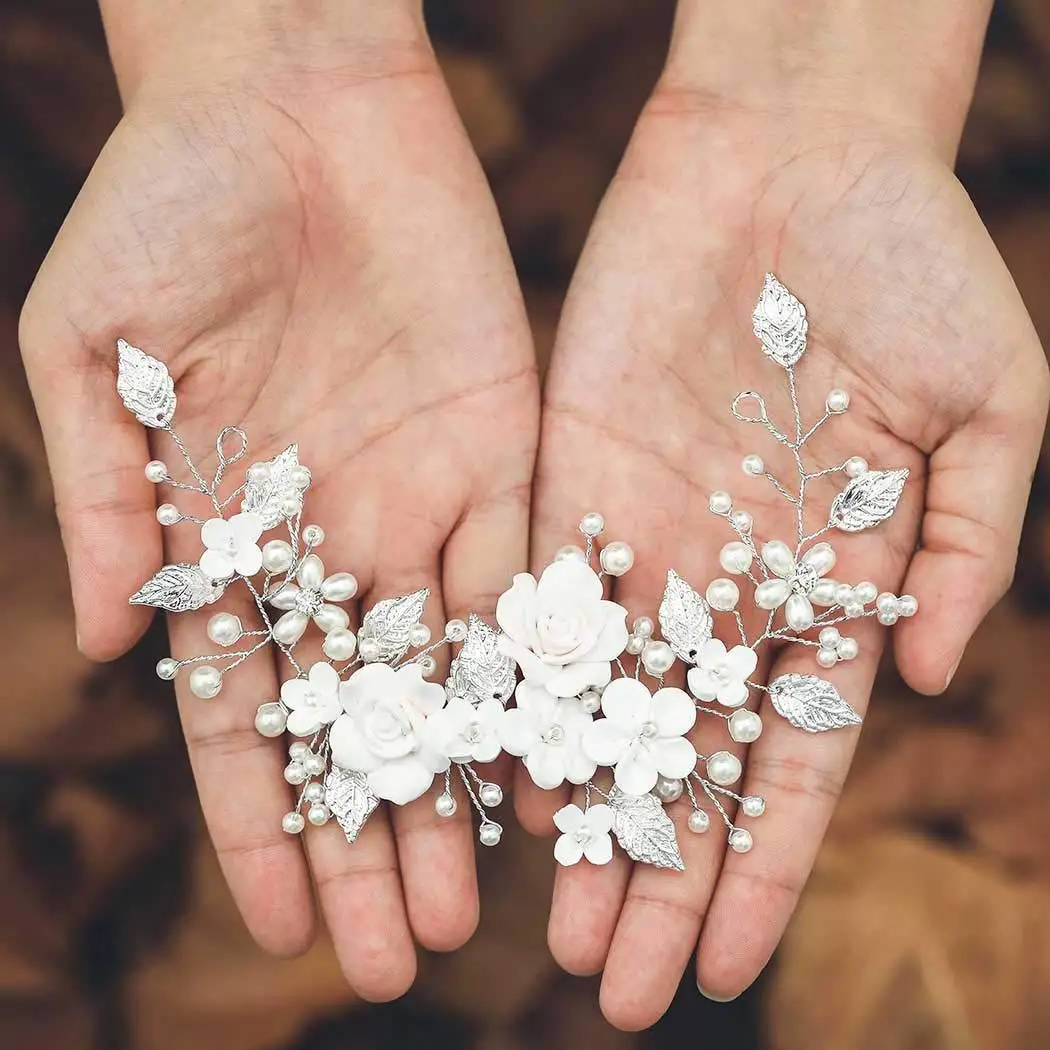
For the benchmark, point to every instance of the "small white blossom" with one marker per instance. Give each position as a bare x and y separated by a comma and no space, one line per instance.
313,701
232,546
584,834
721,675
466,733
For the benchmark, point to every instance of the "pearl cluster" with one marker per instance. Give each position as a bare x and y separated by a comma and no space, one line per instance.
834,647
302,766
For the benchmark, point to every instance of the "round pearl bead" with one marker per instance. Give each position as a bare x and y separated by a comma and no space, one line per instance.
865,592
168,514
724,768
735,557
848,649
844,596
720,502
837,402
419,635
313,535
635,644
156,471
827,657
753,806
339,644
886,602
490,833
314,765
855,466
298,749
617,558
854,610
570,552
339,587
490,794
742,520
300,477
740,840
592,524
699,821
455,630
314,792
888,618
668,789
270,720
293,823
368,649
225,629
291,505
318,815
745,727
644,626
907,605
829,637
427,666
259,472
277,556
167,668
723,594
295,772
205,682
753,465
657,658
591,701
445,805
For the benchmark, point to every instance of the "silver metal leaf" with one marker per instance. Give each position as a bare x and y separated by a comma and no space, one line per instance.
178,588
811,703
685,618
868,499
145,386
267,498
351,800
480,671
390,623
780,323
644,830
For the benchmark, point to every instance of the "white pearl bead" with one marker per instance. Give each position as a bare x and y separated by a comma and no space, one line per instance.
740,840
259,472
745,727
313,535
724,768
290,627
490,833
827,657
668,789
168,514
225,629
295,772
205,681
855,466
300,477
592,524
854,610
291,505
490,794
886,602
617,558
339,587
742,521
771,594
591,701
427,666
368,649
735,557
821,556
753,806
298,749
270,720
844,595
644,626
314,792
293,823
907,605
799,612
889,618
445,805
847,649
865,592
419,635
699,822
753,465
331,618
156,471
635,644
829,637
277,556
571,552
720,502
723,594
657,658
455,630
314,765
318,815
837,402
339,644
777,555
824,592
167,668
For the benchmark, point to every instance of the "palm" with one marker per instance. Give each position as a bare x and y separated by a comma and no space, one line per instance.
313,277
913,313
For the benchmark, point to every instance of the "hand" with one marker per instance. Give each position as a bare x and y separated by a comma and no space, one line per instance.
292,218
911,310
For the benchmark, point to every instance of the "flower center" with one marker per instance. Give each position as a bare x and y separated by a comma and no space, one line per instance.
310,699
387,725
559,633
472,734
554,734
805,579
648,730
308,601
583,836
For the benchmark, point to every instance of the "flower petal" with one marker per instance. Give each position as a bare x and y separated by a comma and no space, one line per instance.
487,749
246,528
578,767
364,683
532,667
518,732
673,711
216,565
675,757
324,679
599,850
304,721
216,534
569,819
401,781
612,640
627,704
545,766
732,694
600,818
573,679
349,748
569,577
248,560
294,691
741,661
702,684
516,611
567,851
712,654
636,772
604,742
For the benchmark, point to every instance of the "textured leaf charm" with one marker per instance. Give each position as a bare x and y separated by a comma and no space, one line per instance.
267,497
868,499
178,588
810,703
480,671
348,796
644,830
391,621
780,323
685,618
145,386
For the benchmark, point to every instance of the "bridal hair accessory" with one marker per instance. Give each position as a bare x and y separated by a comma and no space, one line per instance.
371,727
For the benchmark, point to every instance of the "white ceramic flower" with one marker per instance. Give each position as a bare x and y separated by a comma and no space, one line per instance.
382,733
798,584
561,632
547,732
721,675
642,735
465,733
311,600
232,546
312,701
584,834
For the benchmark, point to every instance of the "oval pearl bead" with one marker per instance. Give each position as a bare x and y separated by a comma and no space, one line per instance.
777,555
293,823
490,833
455,630
753,465
167,668
799,612
837,402
668,789
570,552
592,524
490,794
339,587
270,720
156,471
657,658
643,626
419,635
290,627
313,535
722,594
907,605
310,573
740,840
720,502
331,618
699,821
591,701
753,806
724,768
205,682
855,466
340,644
771,594
847,649
277,556
824,592
820,556
617,558
745,727
445,805
318,815
225,629
827,657
735,557
168,514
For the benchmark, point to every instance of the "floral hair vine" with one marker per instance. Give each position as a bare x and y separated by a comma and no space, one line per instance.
369,724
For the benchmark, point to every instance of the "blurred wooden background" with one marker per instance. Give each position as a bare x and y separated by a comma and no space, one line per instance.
927,923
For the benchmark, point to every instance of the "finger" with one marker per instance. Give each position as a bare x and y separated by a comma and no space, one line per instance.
976,497
97,451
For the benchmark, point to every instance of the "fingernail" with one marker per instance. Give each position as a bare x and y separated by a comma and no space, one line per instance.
715,998
951,673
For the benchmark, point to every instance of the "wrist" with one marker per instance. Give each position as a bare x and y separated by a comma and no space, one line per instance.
906,68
